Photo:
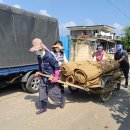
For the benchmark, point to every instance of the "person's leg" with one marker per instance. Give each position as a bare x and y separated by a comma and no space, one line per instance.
61,87
126,74
55,94
43,97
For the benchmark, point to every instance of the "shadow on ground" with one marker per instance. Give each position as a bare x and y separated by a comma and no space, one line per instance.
119,104
81,96
35,99
120,107
10,89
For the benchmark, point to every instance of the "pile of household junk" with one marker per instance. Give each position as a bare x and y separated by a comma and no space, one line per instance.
89,73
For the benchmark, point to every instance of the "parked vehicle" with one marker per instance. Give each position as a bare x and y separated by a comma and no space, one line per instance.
112,50
17,30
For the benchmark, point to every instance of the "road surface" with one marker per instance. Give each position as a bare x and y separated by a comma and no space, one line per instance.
83,111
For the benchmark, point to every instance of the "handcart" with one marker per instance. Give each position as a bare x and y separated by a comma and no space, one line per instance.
104,89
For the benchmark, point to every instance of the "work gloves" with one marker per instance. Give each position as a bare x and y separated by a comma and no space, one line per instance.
56,76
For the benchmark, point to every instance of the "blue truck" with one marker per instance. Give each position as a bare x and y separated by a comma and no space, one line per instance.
17,30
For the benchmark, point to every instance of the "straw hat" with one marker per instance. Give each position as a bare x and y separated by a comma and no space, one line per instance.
58,46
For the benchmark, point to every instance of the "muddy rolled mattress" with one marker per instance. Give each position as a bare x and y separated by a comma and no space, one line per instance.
88,73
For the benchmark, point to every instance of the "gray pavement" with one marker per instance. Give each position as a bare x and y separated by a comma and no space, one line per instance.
83,111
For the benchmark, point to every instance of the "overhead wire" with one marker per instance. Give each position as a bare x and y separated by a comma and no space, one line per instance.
118,9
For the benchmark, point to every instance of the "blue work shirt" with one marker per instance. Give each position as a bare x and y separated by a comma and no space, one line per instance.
119,55
48,63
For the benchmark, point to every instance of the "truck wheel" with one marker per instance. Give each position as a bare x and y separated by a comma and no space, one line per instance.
32,84
72,89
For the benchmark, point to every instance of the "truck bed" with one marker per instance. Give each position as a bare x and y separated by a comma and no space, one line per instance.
18,69
17,30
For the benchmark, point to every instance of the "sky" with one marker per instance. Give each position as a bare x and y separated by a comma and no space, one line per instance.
114,13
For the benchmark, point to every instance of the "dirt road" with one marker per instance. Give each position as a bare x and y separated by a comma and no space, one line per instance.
83,111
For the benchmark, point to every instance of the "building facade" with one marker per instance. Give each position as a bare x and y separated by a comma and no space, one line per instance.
97,34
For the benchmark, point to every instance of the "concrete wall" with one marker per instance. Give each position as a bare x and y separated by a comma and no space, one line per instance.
80,50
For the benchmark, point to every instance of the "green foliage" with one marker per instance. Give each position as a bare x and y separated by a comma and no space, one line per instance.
126,38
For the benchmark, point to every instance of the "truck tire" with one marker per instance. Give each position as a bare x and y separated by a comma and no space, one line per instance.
72,89
23,85
32,84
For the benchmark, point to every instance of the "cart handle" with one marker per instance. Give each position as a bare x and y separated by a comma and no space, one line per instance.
66,83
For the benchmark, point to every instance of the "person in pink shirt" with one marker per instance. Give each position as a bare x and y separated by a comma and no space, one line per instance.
100,54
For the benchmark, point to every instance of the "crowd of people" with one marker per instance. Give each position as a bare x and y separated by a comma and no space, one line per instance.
50,62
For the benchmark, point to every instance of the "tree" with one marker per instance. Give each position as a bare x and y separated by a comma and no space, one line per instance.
126,38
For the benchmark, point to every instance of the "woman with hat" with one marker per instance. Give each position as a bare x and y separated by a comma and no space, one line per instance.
58,52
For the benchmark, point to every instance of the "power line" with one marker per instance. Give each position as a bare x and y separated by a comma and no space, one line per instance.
118,9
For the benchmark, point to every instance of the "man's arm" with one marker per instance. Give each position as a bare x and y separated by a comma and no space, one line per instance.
54,63
124,55
121,59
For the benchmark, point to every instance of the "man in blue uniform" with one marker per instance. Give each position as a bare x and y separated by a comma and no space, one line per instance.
47,65
122,57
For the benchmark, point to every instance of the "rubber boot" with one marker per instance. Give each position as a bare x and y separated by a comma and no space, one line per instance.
43,107
62,103
126,84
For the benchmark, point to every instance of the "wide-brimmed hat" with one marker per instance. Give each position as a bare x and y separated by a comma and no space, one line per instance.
58,46
37,45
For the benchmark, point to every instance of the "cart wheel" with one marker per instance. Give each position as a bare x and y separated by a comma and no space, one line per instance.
105,96
72,89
